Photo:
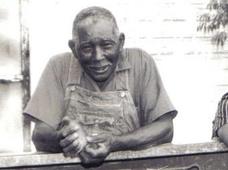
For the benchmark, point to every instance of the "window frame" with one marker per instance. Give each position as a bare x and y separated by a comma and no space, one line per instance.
25,70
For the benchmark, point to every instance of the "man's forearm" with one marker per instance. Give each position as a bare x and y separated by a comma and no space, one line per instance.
45,138
223,134
158,132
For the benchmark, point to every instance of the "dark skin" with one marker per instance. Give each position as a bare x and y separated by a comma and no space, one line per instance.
43,136
97,48
161,131
222,133
158,132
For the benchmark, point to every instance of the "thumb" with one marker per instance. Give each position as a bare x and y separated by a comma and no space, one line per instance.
95,139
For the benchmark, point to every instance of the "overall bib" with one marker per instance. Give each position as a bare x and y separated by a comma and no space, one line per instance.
103,112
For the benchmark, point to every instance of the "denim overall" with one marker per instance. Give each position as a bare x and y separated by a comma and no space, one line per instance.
103,112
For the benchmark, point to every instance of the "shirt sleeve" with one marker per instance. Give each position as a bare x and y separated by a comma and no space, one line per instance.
155,101
221,115
47,102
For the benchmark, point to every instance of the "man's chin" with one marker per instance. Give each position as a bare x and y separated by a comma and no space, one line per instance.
100,78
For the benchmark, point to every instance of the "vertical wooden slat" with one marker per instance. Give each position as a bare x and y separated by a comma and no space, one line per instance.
25,70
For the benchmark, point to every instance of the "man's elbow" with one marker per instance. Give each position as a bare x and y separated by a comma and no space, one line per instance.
167,123
165,132
38,140
223,134
168,132
169,136
45,139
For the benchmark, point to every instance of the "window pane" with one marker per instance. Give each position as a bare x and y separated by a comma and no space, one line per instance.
9,39
11,117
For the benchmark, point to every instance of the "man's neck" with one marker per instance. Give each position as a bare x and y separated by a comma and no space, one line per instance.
99,86
103,84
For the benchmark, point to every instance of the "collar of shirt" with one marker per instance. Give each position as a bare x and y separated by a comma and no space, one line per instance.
76,71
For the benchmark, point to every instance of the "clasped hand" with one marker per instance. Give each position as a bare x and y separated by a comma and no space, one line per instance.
72,137
75,142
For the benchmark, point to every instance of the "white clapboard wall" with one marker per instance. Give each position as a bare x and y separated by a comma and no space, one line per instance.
193,70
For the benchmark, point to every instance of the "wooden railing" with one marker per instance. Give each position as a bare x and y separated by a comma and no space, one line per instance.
205,156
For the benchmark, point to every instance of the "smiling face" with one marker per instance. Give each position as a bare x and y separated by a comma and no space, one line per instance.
98,47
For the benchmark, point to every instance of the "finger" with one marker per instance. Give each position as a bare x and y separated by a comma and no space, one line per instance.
92,151
67,154
74,146
68,140
95,139
80,148
67,130
70,154
87,159
73,154
84,157
99,152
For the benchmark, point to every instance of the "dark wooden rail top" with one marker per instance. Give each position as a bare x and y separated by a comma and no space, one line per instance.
44,159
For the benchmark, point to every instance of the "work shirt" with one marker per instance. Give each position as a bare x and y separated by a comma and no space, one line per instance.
221,117
146,87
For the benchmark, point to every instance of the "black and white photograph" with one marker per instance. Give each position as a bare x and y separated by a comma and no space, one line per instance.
129,85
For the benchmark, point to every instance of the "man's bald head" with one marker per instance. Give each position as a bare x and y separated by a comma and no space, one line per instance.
93,12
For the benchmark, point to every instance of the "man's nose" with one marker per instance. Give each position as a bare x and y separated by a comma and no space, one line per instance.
98,54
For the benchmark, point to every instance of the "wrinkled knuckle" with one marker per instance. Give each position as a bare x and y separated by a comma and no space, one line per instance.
75,135
75,144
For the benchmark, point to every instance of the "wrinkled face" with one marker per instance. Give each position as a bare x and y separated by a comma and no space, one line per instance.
98,47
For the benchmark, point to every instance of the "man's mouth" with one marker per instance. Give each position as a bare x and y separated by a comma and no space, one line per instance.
99,69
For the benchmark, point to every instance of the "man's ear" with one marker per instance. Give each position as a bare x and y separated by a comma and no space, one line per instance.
71,44
122,40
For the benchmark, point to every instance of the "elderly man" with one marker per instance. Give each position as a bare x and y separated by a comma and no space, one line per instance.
101,97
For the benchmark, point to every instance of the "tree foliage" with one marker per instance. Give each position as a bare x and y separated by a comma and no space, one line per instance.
215,21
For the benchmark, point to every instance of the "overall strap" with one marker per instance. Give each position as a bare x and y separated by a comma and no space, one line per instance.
122,76
73,79
75,70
